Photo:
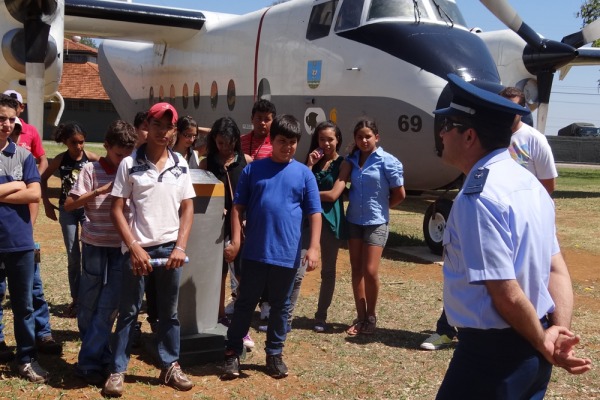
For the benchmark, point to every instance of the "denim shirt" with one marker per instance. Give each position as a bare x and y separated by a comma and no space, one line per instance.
370,187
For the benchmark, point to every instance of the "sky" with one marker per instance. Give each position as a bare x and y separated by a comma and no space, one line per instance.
574,99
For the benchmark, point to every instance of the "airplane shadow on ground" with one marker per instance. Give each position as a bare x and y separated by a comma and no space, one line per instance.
571,194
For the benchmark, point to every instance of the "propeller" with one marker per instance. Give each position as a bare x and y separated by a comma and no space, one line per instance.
37,17
543,57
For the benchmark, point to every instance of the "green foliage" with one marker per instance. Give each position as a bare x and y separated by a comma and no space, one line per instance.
589,12
89,42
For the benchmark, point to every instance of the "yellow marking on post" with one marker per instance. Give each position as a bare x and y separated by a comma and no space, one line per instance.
208,190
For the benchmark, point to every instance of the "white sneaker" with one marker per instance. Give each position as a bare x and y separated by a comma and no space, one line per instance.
265,309
263,328
248,342
33,372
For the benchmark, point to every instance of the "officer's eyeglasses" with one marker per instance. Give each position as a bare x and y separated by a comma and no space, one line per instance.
448,125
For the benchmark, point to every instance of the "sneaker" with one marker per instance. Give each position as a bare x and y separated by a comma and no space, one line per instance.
230,307
48,345
231,368
436,342
136,338
33,372
276,367
320,327
174,377
113,385
265,309
248,342
72,309
6,354
263,328
224,320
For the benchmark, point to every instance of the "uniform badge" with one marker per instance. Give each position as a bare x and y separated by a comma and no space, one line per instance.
476,181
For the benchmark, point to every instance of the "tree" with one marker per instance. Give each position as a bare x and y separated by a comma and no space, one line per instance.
589,12
89,42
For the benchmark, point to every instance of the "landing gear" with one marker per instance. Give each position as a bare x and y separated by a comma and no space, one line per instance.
434,224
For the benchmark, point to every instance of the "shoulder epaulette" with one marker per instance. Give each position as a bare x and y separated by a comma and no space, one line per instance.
476,181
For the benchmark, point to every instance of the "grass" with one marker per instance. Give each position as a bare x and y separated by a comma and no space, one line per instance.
331,365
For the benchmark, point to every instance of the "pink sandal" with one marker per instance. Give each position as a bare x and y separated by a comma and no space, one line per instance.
355,328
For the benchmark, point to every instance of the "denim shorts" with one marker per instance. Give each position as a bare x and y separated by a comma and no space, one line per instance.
374,235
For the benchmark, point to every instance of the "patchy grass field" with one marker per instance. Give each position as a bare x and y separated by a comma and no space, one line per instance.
387,365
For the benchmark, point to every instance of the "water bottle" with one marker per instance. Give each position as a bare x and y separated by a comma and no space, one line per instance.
161,262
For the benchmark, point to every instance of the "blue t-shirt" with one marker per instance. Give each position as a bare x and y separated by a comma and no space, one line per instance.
16,230
370,189
276,197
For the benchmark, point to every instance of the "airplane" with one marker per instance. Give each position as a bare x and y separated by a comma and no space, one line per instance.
315,59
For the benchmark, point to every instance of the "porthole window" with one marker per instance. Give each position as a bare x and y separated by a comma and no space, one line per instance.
151,96
185,96
196,95
231,95
264,90
214,95
161,94
172,94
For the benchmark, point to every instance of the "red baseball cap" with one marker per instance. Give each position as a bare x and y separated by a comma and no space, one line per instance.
159,109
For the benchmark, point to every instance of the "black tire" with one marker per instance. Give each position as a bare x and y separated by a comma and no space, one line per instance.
434,224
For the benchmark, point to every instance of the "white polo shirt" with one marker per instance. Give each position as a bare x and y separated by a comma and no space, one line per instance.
155,196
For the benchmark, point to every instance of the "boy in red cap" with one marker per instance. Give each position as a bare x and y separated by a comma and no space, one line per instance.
159,188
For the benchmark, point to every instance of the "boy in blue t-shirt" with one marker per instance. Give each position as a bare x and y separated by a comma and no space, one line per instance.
275,193
19,187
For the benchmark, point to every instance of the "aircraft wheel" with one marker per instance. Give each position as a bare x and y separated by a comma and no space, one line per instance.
434,224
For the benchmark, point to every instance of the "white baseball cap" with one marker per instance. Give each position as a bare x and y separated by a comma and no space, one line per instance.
15,95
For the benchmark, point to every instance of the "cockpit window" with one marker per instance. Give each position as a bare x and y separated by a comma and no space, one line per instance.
396,9
349,15
448,8
321,19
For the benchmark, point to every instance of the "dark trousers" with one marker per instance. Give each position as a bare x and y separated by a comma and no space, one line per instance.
495,364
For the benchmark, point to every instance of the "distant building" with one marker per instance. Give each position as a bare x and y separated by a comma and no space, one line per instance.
85,99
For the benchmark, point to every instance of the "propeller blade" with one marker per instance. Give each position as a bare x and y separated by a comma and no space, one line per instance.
509,17
544,80
587,35
542,114
36,44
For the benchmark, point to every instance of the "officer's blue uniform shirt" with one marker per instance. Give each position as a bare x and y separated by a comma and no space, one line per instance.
370,191
501,226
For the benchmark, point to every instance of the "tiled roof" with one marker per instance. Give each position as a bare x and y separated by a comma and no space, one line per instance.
70,45
81,81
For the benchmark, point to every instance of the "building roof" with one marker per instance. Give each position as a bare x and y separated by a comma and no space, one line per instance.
81,81
70,45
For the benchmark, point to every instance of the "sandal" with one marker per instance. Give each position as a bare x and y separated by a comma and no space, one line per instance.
355,328
369,325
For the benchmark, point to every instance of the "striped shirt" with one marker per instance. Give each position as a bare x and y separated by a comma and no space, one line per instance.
255,146
98,229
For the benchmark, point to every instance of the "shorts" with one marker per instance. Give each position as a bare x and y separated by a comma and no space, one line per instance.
374,235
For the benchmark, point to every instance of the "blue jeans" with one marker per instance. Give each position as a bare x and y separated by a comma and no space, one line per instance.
19,270
70,221
257,276
132,291
99,293
41,313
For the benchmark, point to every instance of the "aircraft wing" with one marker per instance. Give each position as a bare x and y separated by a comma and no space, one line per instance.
131,21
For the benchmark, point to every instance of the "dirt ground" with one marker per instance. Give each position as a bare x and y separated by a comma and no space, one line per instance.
396,271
